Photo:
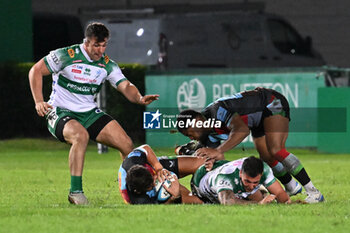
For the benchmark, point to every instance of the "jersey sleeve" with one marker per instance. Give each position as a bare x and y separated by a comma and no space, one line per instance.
56,59
115,77
137,156
222,182
267,178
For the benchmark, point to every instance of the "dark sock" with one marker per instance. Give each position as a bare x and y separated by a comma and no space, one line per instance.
302,177
76,184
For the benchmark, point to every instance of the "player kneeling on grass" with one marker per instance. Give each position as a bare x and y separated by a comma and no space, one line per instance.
237,182
146,179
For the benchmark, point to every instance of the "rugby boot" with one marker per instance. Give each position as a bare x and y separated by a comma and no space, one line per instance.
77,198
314,196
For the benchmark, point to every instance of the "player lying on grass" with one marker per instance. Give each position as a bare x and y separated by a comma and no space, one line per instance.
266,114
140,170
237,182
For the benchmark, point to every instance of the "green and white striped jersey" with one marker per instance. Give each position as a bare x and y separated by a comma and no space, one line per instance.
226,177
77,78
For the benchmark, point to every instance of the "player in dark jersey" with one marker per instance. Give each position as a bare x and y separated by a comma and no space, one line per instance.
264,113
141,167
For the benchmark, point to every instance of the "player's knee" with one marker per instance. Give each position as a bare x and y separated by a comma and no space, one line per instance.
80,137
128,146
281,154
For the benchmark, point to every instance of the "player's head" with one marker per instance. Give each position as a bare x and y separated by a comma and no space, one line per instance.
139,180
251,172
95,42
186,124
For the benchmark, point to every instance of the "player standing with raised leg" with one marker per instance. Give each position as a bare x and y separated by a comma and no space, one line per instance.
78,72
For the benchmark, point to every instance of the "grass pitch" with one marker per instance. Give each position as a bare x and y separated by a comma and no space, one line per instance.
34,183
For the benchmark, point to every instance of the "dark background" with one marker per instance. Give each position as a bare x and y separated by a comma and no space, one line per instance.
326,21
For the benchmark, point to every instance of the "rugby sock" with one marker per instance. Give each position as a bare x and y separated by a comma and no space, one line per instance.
291,185
309,187
280,172
76,184
293,166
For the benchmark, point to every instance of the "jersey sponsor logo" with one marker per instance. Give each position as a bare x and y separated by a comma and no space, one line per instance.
106,59
76,61
100,64
79,88
71,53
54,58
78,67
76,71
221,114
98,73
83,89
85,79
87,72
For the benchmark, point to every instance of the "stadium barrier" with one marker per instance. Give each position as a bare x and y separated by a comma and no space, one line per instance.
334,128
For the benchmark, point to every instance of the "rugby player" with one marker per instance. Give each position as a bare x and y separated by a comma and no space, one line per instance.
139,170
264,113
78,72
237,182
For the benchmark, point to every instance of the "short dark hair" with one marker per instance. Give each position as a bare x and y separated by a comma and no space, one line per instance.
97,30
252,166
139,179
184,116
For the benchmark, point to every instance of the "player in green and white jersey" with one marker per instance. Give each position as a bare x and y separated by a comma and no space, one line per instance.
72,115
237,182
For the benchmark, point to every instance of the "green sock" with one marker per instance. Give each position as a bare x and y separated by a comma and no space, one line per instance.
76,184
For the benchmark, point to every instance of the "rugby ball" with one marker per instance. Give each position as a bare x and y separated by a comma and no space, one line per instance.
161,193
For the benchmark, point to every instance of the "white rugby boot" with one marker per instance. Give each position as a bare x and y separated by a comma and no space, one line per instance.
314,196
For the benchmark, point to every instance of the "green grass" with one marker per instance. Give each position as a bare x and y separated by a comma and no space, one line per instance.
34,183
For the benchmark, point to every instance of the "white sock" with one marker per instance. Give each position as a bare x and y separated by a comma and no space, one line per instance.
309,187
290,185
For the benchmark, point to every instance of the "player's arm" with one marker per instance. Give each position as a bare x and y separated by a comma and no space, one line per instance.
259,198
187,197
131,92
238,132
36,74
154,162
227,197
281,196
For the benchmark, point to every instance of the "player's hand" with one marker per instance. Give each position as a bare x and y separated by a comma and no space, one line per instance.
147,99
163,174
209,163
210,153
268,199
174,188
42,108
